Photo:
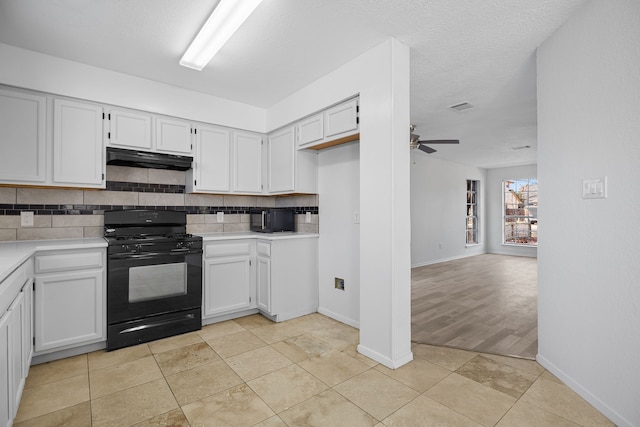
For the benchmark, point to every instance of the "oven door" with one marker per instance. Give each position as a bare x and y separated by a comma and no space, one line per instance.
151,284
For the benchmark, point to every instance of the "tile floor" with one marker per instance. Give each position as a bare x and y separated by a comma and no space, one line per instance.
304,372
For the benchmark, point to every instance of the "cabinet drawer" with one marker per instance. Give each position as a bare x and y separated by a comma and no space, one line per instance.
227,249
69,261
264,249
10,287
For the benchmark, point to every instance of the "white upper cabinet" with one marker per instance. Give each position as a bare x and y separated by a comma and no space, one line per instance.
211,168
129,129
78,158
310,129
281,161
137,130
247,162
173,135
341,119
335,125
290,170
22,137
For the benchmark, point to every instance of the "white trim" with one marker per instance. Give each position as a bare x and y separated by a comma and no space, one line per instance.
339,318
391,364
601,406
437,261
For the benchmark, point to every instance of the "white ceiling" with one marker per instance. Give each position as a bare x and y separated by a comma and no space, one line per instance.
482,52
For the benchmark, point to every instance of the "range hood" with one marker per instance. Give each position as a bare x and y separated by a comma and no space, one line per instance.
143,159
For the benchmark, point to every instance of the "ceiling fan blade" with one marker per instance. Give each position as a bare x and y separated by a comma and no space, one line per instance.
440,141
426,149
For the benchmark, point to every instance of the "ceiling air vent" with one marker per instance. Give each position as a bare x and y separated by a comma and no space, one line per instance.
463,106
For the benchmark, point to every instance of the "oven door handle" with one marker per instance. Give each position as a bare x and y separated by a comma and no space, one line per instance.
145,255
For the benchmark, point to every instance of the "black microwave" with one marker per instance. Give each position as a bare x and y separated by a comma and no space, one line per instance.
271,220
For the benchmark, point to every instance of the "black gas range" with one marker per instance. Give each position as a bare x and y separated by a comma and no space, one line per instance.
154,276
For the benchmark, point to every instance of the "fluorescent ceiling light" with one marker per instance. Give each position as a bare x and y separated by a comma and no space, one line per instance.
223,22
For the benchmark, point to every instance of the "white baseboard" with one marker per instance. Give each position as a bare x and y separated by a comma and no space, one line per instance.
389,363
437,261
608,412
340,318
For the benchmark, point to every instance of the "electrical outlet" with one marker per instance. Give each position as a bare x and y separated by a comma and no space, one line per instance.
26,219
220,217
339,283
307,217
356,217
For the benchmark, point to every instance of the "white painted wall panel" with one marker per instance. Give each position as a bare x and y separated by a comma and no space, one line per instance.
23,68
339,167
385,259
438,203
588,292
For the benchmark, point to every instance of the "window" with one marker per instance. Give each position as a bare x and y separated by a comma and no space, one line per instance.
520,219
472,212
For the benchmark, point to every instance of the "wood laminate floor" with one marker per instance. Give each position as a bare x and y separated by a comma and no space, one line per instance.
485,303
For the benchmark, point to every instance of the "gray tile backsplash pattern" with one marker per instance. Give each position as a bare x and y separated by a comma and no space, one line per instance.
77,213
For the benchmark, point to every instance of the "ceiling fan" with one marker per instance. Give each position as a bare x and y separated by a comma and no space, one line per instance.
415,142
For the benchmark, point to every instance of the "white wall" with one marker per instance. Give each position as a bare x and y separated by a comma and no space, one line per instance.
493,200
438,202
589,269
381,77
32,70
339,168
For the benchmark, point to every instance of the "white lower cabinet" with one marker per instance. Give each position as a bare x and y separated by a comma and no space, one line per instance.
15,349
6,408
263,276
278,276
69,299
288,277
228,277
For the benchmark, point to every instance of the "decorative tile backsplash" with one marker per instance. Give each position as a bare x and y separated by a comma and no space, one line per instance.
70,213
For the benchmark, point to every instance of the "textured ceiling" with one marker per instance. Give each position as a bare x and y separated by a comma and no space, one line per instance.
482,52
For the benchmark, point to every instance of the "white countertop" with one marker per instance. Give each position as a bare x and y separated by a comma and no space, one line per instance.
207,237
14,253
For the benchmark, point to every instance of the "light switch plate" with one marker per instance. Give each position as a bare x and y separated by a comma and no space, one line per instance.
26,219
220,217
594,188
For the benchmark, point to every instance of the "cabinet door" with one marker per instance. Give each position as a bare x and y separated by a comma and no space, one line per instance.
27,327
310,129
16,376
173,135
77,144
129,129
213,159
247,160
6,410
228,285
281,161
69,309
341,119
263,275
263,265
22,137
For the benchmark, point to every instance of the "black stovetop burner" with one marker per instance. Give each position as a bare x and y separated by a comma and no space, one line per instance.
145,224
